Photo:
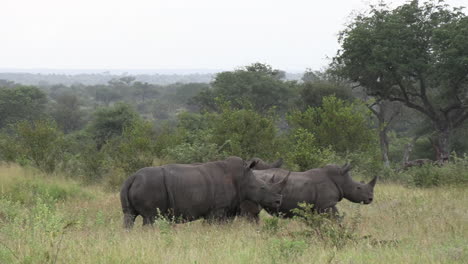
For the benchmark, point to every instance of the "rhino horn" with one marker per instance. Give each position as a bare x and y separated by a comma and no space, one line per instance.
345,168
272,179
277,163
373,181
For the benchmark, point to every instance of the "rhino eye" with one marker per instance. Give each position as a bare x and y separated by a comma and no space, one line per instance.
359,187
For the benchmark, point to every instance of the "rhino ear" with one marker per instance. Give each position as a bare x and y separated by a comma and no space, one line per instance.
283,182
372,183
251,164
345,169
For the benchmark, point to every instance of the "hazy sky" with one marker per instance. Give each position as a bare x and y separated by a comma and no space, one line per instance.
173,34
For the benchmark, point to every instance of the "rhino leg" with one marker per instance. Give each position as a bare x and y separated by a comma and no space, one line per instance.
250,210
129,220
218,216
148,220
332,212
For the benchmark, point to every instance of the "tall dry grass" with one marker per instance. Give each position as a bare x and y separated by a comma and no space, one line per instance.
71,223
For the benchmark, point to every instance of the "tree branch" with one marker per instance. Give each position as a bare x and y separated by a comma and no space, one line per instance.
423,95
412,105
460,120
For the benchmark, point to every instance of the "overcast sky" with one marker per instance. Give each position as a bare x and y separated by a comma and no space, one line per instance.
173,34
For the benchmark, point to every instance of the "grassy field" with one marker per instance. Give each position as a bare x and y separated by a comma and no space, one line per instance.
50,219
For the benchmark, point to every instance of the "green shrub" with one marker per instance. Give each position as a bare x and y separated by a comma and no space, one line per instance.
304,154
271,225
28,191
342,126
428,175
39,143
286,250
125,154
329,230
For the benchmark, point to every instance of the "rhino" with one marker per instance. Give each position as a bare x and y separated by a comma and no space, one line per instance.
249,209
186,192
322,187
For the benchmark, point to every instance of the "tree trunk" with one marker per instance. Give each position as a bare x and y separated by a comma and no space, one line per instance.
441,145
384,146
408,149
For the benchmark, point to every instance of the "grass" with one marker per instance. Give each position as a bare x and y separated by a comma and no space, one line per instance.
65,222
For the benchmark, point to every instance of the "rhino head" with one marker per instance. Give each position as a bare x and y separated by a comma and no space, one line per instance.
356,192
264,193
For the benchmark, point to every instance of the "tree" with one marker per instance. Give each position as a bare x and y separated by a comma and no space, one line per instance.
257,85
414,54
342,126
67,113
110,122
385,112
312,92
39,142
144,91
21,103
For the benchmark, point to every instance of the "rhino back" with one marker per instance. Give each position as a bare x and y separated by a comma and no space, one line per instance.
312,187
195,190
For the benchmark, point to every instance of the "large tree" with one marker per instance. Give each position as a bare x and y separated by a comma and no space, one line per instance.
257,85
21,103
416,54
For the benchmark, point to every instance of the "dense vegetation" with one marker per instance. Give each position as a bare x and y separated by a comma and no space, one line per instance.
395,92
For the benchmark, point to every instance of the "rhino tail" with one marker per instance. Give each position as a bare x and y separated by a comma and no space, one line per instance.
129,212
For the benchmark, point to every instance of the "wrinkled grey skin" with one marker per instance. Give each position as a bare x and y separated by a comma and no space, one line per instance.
250,209
322,187
186,192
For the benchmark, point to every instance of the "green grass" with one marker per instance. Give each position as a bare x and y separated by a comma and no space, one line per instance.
65,222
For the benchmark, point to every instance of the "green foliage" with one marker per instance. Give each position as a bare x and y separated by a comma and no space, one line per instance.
327,229
341,126
430,175
305,153
110,122
21,103
416,54
244,133
66,112
27,191
39,142
257,85
208,136
312,93
131,151
285,250
271,225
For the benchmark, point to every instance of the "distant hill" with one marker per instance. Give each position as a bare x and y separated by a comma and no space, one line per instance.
70,77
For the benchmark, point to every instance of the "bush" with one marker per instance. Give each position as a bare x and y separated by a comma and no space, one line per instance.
125,154
342,126
286,250
322,226
110,122
429,175
39,143
304,153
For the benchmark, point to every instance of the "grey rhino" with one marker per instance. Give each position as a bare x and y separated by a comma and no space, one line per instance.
250,209
322,187
212,190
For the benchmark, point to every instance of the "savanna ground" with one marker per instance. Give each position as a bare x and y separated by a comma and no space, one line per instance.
52,219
